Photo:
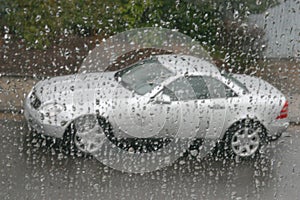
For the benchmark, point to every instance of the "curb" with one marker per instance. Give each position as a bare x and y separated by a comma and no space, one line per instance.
10,111
22,76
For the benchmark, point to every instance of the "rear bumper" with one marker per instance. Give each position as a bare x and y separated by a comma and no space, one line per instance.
277,127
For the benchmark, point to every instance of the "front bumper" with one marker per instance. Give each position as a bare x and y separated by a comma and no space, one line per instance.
34,122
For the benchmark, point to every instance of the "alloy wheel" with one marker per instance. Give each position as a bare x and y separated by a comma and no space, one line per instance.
245,141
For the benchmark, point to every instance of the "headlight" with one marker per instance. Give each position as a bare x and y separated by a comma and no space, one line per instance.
50,110
34,101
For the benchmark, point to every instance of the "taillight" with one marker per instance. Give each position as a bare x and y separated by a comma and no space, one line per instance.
284,111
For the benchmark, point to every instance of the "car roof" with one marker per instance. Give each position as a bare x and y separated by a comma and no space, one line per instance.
188,65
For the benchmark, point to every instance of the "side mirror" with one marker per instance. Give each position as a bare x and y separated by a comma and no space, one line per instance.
119,79
163,99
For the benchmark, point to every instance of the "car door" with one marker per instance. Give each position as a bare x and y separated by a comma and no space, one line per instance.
141,116
153,117
169,113
135,113
203,104
192,112
217,107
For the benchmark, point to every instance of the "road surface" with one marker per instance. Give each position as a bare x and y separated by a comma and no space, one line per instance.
31,171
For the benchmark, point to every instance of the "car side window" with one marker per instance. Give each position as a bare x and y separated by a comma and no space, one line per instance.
199,86
215,87
180,90
170,93
187,88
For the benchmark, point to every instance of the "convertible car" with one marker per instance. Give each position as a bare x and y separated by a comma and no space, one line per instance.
154,101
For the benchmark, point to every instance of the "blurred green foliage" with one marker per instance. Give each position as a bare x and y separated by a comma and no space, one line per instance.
40,23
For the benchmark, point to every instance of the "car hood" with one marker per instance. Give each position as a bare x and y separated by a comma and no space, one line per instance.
102,85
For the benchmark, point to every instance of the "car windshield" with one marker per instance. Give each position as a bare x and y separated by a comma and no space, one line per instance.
143,76
235,81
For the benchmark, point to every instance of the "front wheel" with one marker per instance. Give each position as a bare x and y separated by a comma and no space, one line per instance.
85,135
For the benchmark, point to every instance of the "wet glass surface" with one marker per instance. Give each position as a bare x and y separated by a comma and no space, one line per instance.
149,99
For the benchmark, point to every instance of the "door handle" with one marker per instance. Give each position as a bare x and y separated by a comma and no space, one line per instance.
217,107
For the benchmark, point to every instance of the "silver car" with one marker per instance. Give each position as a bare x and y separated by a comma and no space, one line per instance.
153,101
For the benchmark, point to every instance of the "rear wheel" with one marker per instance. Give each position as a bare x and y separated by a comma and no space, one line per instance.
244,139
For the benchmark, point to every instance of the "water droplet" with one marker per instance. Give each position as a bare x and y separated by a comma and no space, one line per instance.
38,18
258,2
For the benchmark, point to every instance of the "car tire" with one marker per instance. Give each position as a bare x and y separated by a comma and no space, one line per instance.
86,130
39,140
244,139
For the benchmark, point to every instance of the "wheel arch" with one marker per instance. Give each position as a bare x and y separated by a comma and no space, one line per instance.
71,122
236,122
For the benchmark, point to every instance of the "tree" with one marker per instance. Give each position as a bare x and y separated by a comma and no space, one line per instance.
217,24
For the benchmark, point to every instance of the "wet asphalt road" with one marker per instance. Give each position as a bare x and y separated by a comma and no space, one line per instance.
32,172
